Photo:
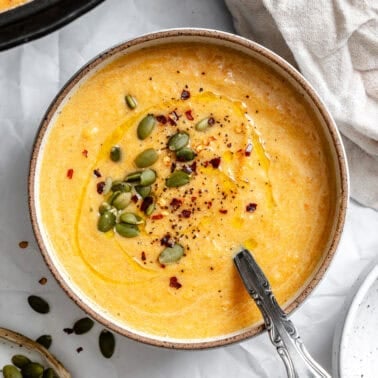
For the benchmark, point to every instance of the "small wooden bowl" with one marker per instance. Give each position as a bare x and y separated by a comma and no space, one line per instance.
20,342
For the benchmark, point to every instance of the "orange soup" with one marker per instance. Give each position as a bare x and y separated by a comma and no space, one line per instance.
161,165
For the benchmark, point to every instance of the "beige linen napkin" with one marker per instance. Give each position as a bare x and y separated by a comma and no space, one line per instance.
334,43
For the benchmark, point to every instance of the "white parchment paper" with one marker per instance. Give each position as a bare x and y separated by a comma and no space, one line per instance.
30,76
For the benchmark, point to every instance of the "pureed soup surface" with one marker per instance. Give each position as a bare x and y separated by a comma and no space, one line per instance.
260,180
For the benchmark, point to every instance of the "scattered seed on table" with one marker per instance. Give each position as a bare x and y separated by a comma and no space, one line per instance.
44,340
106,343
38,304
83,325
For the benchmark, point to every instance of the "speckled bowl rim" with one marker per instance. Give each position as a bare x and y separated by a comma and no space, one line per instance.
237,41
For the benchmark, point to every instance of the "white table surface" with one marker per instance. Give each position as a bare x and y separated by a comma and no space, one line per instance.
30,76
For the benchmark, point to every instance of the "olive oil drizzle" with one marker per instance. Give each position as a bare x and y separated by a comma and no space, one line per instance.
132,120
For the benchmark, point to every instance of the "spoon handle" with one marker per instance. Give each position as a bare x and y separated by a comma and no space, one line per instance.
284,336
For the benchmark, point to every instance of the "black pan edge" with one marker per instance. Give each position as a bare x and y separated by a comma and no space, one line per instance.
38,18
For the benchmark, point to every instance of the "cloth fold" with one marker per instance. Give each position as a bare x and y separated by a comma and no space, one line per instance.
334,43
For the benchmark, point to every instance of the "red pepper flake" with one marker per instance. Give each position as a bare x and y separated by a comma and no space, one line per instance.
167,240
175,204
68,331
248,149
189,116
162,266
215,162
186,213
80,349
100,187
209,204
211,121
43,281
185,95
229,145
157,216
171,121
143,256
70,173
85,153
223,211
23,244
161,119
251,207
193,167
173,282
134,198
146,203
193,199
97,173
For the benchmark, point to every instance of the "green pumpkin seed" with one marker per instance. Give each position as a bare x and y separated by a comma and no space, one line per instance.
32,370
106,221
146,126
178,141
113,196
122,200
115,153
49,373
131,218
44,340
20,360
185,154
120,186
147,177
127,230
83,325
143,191
10,371
107,343
131,102
133,177
176,179
171,254
38,304
104,207
150,209
146,158
203,124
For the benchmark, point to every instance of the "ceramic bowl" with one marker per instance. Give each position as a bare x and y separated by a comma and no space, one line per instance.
267,57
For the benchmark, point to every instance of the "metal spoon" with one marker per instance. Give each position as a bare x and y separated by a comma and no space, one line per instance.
284,336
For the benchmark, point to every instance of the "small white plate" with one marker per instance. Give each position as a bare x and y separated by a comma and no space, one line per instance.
355,349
